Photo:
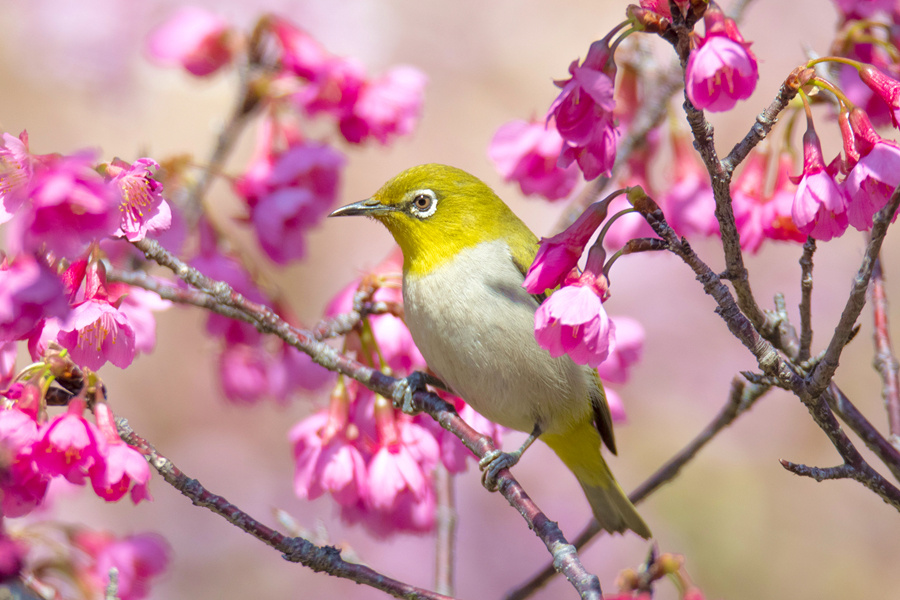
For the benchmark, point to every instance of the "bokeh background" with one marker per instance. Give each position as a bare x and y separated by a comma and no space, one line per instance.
74,74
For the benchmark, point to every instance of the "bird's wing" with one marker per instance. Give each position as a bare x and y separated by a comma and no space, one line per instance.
602,416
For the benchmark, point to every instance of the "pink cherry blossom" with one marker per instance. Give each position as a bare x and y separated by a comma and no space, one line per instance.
16,169
326,461
872,179
137,558
29,293
193,38
583,113
819,208
124,468
302,374
760,213
386,107
559,254
300,53
573,321
143,208
527,152
138,306
8,353
689,202
885,87
70,445
22,484
722,70
246,372
70,207
333,89
629,347
98,333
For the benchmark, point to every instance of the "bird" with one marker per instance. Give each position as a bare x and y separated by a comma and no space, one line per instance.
465,256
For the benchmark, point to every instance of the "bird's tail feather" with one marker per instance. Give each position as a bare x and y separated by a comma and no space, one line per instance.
579,449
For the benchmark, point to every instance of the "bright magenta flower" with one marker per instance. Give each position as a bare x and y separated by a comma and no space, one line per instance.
386,107
722,70
872,179
137,558
144,210
29,293
690,206
759,213
247,372
326,461
70,207
70,445
23,485
288,192
820,206
583,113
300,53
193,38
573,321
333,89
559,254
528,153
124,468
885,87
98,333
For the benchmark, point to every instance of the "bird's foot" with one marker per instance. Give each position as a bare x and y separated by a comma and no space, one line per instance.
417,381
492,463
495,461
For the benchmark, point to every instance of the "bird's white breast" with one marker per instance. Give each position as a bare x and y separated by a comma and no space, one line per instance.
474,324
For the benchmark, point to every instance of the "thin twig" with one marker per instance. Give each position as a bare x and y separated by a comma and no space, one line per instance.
294,549
267,321
886,452
806,286
885,360
741,397
818,473
445,538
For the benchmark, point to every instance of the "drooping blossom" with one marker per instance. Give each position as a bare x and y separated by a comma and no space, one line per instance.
722,69
527,153
29,293
98,331
288,191
573,321
137,558
144,210
70,445
70,206
386,107
872,180
22,482
690,206
761,213
559,254
820,206
124,468
300,54
248,372
583,113
193,38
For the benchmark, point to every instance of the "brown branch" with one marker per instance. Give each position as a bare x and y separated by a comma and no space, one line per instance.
267,321
325,559
740,399
885,361
806,285
817,473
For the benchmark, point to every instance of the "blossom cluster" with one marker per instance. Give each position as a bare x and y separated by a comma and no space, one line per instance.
292,181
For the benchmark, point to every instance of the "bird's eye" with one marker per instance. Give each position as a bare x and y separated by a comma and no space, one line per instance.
423,203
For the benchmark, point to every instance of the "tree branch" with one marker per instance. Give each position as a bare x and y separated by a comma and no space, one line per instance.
267,321
295,549
806,285
885,360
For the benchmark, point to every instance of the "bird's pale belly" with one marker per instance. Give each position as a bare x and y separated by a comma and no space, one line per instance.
474,324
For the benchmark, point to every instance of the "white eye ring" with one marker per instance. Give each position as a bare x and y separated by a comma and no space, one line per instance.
423,203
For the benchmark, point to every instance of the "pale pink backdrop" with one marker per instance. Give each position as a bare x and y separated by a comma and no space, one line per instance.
74,75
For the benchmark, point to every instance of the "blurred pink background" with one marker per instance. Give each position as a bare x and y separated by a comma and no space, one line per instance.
74,75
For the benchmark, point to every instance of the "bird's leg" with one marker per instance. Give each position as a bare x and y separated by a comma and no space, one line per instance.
416,382
494,461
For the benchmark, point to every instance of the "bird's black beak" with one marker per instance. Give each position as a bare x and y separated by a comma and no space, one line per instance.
369,208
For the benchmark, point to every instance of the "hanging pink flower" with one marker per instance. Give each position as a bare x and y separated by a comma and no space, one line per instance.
137,558
194,38
144,210
722,70
872,179
70,445
386,107
124,468
820,206
583,113
527,153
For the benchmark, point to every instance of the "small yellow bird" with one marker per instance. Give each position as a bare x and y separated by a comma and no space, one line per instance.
465,255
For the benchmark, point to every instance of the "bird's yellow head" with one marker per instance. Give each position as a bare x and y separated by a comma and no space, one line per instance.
435,211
